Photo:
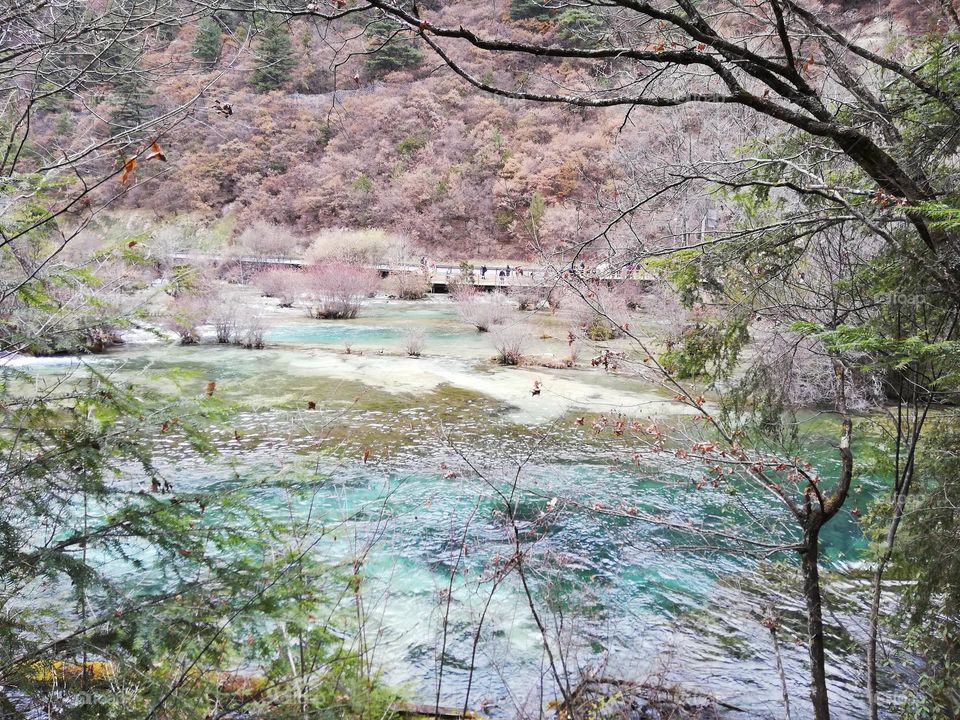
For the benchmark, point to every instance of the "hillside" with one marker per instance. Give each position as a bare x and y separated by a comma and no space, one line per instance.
414,151
323,134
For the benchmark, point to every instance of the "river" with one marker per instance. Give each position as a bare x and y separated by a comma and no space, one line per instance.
405,461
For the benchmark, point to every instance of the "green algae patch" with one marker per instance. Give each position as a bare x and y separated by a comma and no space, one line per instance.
387,425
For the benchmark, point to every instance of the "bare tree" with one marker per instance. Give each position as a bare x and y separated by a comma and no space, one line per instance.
482,310
408,285
338,290
510,341
284,285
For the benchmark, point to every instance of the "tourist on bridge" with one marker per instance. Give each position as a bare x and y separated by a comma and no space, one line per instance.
483,271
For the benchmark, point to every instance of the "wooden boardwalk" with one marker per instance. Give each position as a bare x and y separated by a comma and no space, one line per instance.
439,275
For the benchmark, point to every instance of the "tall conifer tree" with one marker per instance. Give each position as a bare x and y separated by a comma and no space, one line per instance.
275,59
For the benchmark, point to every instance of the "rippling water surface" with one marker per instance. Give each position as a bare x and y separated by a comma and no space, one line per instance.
619,591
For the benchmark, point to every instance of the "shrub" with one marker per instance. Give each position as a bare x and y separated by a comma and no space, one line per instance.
410,144
510,342
414,340
478,309
261,240
249,330
602,311
634,294
528,298
337,290
363,183
557,297
364,247
185,315
409,285
98,338
223,316
282,284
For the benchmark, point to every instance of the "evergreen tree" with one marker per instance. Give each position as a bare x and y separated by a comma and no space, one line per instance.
531,9
206,45
391,51
275,59
581,27
131,97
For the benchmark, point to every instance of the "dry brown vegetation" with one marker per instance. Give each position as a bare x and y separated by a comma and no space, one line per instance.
416,153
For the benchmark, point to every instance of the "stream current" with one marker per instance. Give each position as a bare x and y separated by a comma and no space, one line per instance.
407,459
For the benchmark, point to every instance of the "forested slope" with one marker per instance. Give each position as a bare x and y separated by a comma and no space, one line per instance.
359,127
319,137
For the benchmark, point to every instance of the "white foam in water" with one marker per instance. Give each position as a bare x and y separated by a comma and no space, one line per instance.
15,360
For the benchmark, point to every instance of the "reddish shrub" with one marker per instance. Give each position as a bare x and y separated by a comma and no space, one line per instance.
286,285
337,290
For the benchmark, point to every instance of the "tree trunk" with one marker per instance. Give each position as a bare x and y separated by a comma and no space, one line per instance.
811,592
874,631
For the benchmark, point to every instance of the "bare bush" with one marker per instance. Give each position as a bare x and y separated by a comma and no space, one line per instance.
528,298
458,281
482,310
414,341
557,297
601,311
336,290
362,247
285,285
408,285
223,315
185,314
634,294
249,330
510,342
262,240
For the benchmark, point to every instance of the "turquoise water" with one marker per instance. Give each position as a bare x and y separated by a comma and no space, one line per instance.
628,597
333,333
383,323
617,591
